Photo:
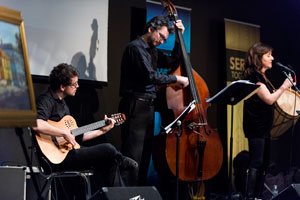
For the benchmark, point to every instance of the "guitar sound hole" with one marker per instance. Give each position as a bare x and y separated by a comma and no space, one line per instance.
68,124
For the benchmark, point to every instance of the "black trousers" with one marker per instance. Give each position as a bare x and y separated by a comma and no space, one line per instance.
137,134
102,158
259,149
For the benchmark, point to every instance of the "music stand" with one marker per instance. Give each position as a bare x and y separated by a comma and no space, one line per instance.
177,123
232,94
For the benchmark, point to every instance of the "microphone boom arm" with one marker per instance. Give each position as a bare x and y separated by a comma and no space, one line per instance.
285,67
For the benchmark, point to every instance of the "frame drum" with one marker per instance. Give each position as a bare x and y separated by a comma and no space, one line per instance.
285,114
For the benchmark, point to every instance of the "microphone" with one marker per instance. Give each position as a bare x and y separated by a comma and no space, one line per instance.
285,67
291,71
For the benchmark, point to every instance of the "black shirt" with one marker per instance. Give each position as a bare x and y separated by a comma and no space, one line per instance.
49,106
258,116
138,69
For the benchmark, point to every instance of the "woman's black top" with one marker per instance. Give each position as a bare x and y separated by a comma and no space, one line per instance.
258,116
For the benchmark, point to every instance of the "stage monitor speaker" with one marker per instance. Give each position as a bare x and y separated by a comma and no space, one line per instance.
13,183
290,193
130,193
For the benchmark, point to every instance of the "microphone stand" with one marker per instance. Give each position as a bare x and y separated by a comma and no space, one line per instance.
293,127
178,134
177,123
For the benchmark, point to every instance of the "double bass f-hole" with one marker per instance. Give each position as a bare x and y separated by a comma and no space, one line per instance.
201,151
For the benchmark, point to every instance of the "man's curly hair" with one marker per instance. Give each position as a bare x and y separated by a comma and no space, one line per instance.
61,75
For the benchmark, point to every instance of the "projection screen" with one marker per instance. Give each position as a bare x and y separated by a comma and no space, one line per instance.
72,31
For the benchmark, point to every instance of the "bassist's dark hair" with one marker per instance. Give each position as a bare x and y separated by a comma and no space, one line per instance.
159,21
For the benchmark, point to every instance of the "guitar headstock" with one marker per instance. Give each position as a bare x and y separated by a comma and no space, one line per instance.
119,118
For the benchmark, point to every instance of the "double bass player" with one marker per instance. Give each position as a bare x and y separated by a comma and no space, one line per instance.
138,88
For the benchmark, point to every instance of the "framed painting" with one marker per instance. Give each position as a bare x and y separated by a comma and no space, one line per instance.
17,103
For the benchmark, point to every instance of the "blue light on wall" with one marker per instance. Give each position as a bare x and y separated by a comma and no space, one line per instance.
155,9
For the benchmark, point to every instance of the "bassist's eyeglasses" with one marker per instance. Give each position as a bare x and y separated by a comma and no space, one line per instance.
162,37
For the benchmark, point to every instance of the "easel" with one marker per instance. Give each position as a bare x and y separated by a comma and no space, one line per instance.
232,94
19,132
177,123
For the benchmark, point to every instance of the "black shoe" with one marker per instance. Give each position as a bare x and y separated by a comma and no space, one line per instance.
128,163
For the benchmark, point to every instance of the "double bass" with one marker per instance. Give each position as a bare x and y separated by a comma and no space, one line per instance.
201,151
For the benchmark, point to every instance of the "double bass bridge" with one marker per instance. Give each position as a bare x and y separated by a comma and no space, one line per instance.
195,127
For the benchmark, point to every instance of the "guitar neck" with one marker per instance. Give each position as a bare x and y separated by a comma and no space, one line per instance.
90,127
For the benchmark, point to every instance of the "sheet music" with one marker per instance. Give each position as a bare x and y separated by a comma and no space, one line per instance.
231,86
188,109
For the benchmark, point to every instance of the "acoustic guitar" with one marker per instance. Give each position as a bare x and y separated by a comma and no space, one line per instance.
57,148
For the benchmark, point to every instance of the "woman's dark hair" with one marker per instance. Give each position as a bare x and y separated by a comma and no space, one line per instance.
159,21
254,57
61,75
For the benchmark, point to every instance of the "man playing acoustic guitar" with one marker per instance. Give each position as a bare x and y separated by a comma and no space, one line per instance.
56,130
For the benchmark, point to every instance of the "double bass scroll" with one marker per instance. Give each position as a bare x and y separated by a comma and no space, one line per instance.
201,151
